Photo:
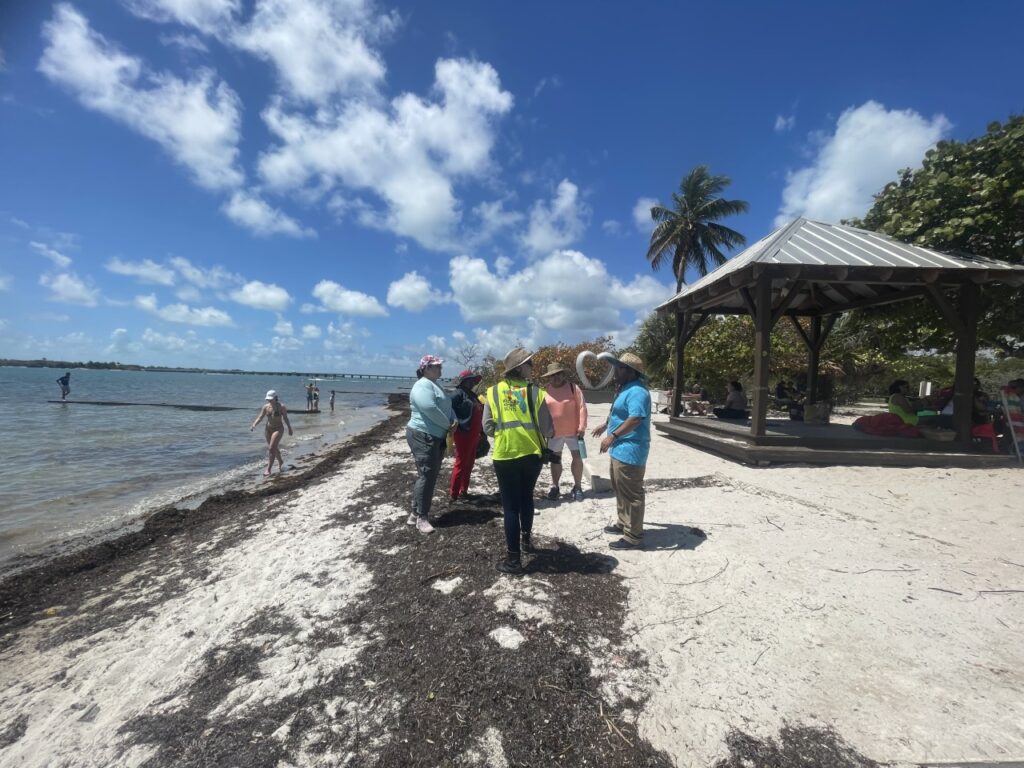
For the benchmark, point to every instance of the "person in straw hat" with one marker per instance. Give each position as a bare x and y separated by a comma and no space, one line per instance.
517,417
569,414
628,442
469,411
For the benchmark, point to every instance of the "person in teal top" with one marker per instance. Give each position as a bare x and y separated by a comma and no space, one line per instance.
628,442
426,434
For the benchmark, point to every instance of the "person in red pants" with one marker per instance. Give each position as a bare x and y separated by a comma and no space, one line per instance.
469,411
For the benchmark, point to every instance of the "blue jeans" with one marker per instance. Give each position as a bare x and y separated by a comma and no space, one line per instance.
516,481
427,451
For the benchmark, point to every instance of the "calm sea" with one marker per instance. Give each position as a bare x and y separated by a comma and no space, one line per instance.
72,472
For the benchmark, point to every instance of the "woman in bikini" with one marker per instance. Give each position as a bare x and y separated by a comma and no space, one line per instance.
277,420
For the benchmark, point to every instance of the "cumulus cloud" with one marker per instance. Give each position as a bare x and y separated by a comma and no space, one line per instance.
336,298
869,145
565,291
68,288
409,153
642,214
784,123
195,121
343,337
200,277
5,282
208,16
263,219
311,331
283,327
182,313
413,292
611,227
262,296
557,223
146,271
58,258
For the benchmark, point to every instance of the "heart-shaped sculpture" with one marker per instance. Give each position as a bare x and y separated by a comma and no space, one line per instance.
608,357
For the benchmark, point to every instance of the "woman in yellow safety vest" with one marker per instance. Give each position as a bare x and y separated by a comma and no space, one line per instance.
517,417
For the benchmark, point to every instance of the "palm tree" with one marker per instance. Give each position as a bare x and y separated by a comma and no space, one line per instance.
689,230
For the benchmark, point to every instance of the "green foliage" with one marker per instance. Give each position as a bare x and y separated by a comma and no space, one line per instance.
655,346
966,197
688,230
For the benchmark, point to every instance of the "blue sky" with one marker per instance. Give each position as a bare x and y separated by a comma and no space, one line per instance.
343,186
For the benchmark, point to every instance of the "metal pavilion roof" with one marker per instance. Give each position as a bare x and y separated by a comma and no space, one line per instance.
841,267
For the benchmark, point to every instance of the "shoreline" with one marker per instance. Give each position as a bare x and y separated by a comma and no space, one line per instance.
21,587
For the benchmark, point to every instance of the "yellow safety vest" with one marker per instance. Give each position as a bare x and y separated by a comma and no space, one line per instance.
515,434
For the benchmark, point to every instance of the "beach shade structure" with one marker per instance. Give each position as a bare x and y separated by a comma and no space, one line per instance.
809,269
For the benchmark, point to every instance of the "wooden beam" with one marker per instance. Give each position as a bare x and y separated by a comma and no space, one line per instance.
786,300
946,309
830,323
813,358
762,351
873,301
802,332
966,350
845,292
749,301
677,373
696,321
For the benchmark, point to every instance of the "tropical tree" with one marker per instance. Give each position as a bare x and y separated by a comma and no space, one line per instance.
688,231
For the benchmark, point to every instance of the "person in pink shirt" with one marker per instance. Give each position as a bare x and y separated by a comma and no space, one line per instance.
568,411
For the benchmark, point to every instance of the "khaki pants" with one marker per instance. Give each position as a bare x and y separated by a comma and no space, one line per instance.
628,484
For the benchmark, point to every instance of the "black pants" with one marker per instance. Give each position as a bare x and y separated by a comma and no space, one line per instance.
516,481
731,413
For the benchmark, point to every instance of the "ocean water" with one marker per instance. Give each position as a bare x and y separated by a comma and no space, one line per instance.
74,472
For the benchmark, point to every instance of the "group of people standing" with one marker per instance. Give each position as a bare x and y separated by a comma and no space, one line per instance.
530,425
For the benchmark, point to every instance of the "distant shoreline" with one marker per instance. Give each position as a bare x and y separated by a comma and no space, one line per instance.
94,366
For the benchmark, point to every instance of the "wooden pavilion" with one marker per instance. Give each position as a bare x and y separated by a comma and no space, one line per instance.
812,270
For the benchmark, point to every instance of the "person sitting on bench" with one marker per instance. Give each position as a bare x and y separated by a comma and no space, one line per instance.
735,403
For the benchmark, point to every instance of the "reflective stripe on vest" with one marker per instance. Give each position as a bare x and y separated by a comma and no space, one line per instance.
514,432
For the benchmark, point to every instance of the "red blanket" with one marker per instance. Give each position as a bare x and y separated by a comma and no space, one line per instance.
885,425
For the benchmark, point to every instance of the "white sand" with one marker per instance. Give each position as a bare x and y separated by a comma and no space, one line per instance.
834,619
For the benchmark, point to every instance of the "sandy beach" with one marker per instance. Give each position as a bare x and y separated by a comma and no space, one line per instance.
840,616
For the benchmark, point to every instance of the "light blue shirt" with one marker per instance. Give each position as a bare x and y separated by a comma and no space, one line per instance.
633,447
431,408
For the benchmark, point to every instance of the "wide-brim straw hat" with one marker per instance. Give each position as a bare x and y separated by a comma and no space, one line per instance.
632,361
516,358
554,368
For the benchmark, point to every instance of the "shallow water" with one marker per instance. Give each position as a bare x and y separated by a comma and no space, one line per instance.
74,469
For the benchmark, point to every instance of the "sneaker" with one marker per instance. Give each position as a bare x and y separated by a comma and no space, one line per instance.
617,529
552,493
411,520
526,543
512,564
625,544
423,525
577,494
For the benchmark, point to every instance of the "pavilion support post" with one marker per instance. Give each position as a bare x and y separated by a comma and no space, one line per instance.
813,358
762,305
677,374
966,350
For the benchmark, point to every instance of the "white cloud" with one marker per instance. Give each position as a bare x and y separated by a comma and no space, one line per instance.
196,121
215,277
146,271
869,146
558,223
286,343
58,258
189,294
642,214
311,332
343,337
318,47
565,292
163,343
784,123
6,281
185,42
552,82
283,327
206,15
262,296
68,288
409,154
493,218
611,227
337,298
182,313
413,292
263,219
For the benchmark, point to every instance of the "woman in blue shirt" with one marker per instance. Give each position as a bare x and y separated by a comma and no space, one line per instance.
428,427
628,442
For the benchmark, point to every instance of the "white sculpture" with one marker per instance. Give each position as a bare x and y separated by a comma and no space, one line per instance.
608,357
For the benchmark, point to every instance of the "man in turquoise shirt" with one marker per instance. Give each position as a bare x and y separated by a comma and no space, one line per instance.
628,442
